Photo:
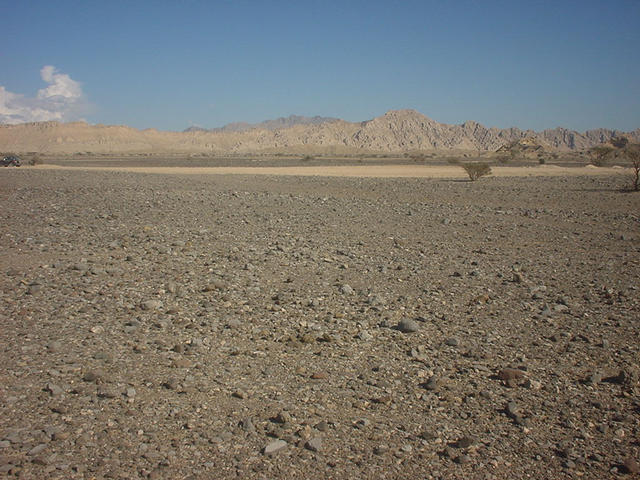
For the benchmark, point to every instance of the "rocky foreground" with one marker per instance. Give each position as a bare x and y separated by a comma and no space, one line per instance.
269,327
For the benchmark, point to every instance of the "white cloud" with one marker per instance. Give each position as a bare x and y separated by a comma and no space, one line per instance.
61,100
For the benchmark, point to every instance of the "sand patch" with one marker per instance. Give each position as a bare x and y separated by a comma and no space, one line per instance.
373,171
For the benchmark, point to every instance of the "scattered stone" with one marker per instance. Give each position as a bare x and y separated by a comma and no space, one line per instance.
452,342
511,377
247,425
105,391
37,449
322,426
94,376
151,305
595,378
314,444
182,362
381,449
54,389
512,409
55,346
432,384
283,417
239,394
630,465
346,289
171,384
407,325
275,447
465,442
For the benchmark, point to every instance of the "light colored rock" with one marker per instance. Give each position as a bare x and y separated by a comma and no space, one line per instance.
274,447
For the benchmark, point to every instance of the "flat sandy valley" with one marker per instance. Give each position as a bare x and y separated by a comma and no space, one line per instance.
318,322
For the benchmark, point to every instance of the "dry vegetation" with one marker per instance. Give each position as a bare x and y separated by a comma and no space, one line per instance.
476,170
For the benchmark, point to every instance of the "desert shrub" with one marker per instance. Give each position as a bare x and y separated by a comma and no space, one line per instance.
542,161
476,170
600,155
35,160
307,158
453,161
632,152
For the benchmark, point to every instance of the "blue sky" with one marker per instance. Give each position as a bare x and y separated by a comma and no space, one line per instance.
172,64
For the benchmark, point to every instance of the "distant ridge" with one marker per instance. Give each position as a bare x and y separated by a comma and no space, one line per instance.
282,122
396,131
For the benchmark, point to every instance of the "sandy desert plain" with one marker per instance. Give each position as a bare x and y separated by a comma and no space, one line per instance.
366,321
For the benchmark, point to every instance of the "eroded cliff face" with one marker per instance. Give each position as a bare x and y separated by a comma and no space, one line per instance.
394,132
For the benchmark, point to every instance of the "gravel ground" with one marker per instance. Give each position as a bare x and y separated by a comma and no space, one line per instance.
158,326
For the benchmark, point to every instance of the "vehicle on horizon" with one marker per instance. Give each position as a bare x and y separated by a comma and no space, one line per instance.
11,161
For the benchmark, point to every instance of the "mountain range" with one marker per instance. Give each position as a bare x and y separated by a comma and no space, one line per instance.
396,131
278,123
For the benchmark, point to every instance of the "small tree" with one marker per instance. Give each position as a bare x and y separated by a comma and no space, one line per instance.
476,170
599,153
633,153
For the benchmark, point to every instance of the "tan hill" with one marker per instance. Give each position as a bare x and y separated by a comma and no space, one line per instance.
394,132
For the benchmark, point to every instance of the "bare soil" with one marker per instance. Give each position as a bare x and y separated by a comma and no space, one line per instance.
341,170
289,326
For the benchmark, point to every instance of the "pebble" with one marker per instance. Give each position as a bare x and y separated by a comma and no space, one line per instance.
346,289
37,449
106,392
151,305
512,409
314,444
55,346
322,426
407,325
381,449
54,389
171,384
274,447
283,417
247,425
511,376
239,394
94,376
631,465
432,384
595,378
465,442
